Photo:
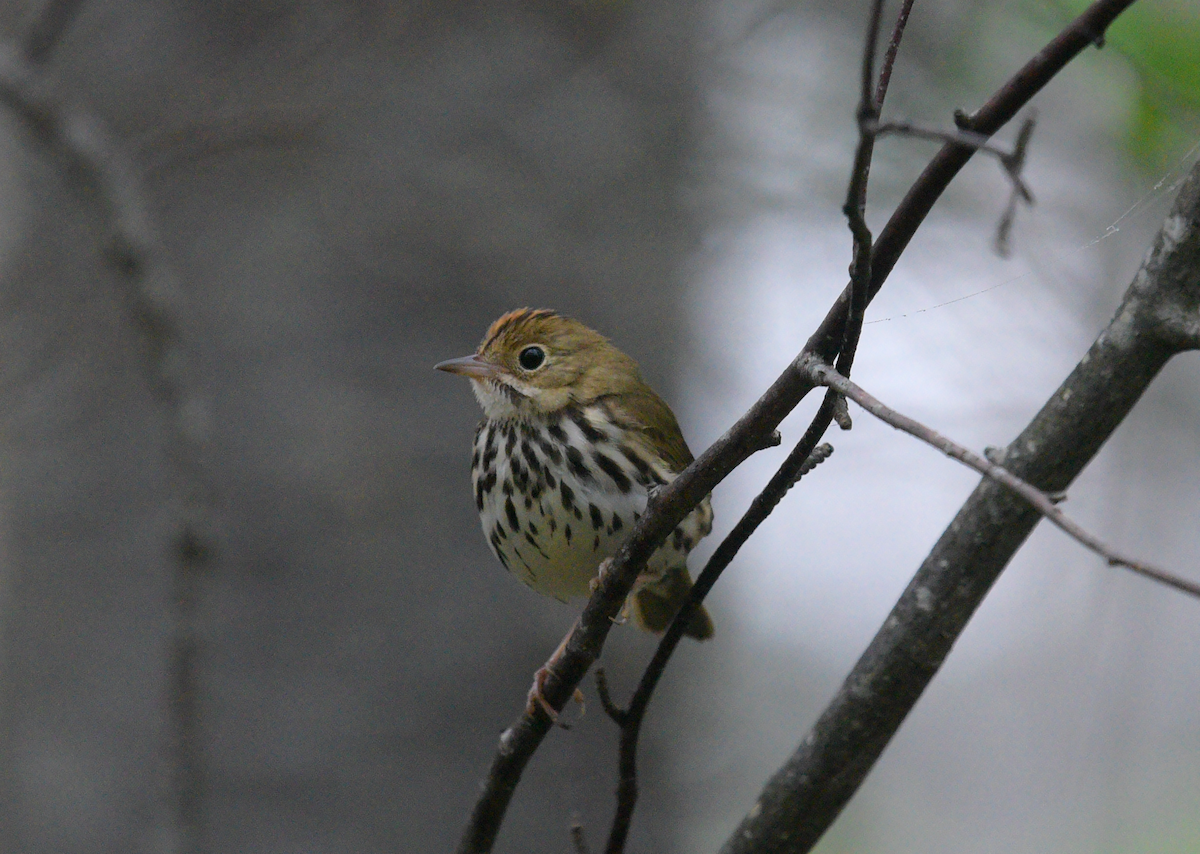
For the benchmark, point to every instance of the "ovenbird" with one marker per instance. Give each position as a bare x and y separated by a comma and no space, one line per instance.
571,444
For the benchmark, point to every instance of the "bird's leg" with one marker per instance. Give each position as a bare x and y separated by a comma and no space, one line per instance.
594,585
537,699
601,574
646,576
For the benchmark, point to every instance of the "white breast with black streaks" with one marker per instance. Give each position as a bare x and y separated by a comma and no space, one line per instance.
558,496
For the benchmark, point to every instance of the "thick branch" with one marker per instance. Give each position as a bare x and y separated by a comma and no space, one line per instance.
675,500
804,797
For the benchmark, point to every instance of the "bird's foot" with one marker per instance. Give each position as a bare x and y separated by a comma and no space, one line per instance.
601,574
537,699
594,585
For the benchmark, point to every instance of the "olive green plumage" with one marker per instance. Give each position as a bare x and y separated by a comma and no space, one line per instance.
583,367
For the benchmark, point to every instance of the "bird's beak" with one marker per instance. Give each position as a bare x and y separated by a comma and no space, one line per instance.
468,366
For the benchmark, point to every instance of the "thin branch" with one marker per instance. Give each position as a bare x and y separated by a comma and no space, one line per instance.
1083,32
917,130
856,195
802,459
578,837
889,58
669,506
611,709
1011,161
867,105
1041,501
1019,193
806,456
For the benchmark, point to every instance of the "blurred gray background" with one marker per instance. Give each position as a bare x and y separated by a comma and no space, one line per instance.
350,192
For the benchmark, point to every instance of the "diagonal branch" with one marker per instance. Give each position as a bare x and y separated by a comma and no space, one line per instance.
806,456
1042,502
889,57
47,28
1086,30
1010,161
674,501
808,792
803,458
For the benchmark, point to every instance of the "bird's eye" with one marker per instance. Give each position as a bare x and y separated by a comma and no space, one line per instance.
531,358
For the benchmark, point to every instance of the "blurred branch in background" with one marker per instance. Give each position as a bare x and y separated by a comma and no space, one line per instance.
97,168
46,28
339,191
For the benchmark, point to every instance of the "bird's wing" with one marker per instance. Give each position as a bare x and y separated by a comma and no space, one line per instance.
645,414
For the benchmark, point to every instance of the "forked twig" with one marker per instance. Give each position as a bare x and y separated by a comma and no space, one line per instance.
867,115
803,798
1011,161
1043,502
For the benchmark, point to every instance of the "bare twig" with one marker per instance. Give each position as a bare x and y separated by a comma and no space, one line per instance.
1044,503
889,58
1013,164
1083,32
841,414
606,701
667,508
867,115
804,458
1010,161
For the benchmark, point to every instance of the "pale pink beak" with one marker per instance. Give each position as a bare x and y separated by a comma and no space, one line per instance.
468,366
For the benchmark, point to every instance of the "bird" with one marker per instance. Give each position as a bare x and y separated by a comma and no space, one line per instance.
571,445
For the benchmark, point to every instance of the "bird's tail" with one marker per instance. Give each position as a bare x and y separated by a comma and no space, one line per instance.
655,604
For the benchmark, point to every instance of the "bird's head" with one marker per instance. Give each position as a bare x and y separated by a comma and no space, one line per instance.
534,362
